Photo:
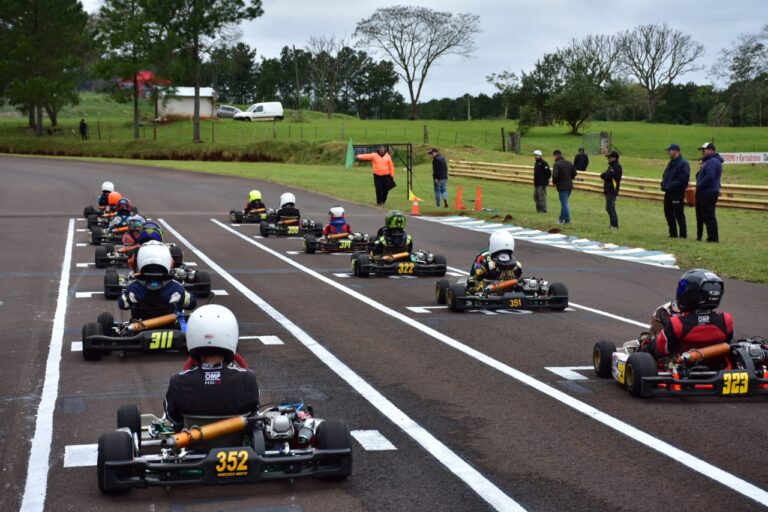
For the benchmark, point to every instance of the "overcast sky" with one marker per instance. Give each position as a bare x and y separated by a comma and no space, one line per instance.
514,32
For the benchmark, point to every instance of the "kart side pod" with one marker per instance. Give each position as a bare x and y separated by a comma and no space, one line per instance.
153,323
396,257
206,432
696,355
502,285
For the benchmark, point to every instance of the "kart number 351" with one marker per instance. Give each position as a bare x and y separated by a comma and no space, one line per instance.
515,303
405,268
232,463
735,383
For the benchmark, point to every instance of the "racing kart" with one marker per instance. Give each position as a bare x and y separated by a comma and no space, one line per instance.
291,227
99,219
278,442
161,333
100,236
196,282
337,242
722,369
524,293
254,215
118,256
417,263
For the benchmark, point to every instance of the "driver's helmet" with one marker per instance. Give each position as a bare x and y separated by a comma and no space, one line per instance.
254,195
149,232
113,198
135,223
212,328
124,206
337,212
395,219
501,248
287,198
107,186
154,264
699,290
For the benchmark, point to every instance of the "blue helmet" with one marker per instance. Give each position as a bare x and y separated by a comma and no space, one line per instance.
150,231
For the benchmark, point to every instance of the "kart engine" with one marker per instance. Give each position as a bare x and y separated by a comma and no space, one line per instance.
280,428
757,348
531,284
424,256
179,274
359,237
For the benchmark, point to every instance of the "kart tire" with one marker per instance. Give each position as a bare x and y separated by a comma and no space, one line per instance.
264,229
639,365
177,255
96,236
440,260
334,435
91,329
455,291
601,358
558,289
359,261
115,446
111,285
309,244
202,284
88,211
92,220
441,288
128,416
235,217
107,321
100,258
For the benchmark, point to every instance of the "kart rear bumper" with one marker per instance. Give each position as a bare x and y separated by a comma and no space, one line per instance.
716,385
145,341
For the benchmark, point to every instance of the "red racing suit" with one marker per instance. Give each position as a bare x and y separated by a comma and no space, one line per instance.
335,226
687,331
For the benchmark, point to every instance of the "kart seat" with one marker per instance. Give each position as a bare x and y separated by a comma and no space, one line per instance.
236,439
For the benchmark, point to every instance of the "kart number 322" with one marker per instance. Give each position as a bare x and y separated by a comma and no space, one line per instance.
405,268
232,463
735,383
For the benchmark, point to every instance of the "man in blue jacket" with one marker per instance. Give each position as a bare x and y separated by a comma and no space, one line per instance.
707,192
673,183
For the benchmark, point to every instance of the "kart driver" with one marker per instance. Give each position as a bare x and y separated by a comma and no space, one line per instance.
337,223
149,231
123,211
392,237
112,199
215,386
693,321
106,188
135,225
254,202
288,210
154,292
498,263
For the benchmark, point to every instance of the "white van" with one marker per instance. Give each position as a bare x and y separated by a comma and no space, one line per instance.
270,111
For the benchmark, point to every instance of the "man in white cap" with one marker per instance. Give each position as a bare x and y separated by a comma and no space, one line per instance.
707,192
541,175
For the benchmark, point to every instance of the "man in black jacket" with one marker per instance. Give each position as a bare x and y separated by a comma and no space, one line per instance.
581,160
439,176
563,174
541,175
611,183
674,182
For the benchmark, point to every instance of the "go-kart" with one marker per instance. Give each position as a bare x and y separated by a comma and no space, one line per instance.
196,282
253,215
100,236
418,263
721,369
118,255
291,227
337,242
278,442
523,293
160,333
100,219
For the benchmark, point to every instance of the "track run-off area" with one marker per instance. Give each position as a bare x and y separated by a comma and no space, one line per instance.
448,411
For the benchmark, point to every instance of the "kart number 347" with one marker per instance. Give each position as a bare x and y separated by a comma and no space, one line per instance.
232,463
405,268
345,244
735,383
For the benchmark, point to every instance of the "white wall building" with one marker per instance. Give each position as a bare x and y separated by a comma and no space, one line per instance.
180,102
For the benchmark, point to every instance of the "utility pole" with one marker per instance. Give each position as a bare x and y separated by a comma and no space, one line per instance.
469,114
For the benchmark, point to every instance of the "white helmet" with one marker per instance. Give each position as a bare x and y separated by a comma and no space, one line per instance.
108,186
287,198
154,253
336,211
212,326
501,241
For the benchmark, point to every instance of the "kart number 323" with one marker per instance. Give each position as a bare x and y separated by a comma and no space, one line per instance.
735,383
405,268
232,463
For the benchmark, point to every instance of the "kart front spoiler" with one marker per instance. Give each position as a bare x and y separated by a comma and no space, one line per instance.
158,340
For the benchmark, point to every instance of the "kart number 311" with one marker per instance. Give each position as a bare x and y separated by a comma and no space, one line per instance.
161,340
232,463
735,383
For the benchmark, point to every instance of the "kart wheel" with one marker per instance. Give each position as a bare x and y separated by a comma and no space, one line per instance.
359,262
107,321
334,435
128,416
88,210
559,290
441,288
95,236
264,229
440,260
177,255
111,285
309,244
91,329
114,446
233,217
202,283
92,220
601,358
638,366
452,295
101,259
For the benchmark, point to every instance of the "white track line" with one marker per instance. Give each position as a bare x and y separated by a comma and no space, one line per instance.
698,465
40,452
458,466
372,440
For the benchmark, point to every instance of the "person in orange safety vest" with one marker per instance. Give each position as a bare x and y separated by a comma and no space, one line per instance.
383,172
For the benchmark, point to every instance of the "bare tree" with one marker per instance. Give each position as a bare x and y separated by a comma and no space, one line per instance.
415,37
328,66
656,55
745,63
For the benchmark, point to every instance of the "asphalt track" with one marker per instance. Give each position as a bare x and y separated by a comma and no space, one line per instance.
479,423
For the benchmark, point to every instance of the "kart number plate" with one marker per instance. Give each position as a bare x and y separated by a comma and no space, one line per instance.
620,372
345,244
735,383
515,303
161,340
293,230
232,463
405,268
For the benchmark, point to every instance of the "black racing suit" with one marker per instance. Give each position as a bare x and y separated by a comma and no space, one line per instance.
254,205
211,390
288,211
485,271
391,242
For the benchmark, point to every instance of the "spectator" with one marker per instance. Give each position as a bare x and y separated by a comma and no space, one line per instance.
611,183
541,175
707,192
383,173
439,176
673,183
83,129
581,160
563,174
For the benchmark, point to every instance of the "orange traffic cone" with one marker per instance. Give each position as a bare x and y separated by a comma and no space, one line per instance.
478,199
459,198
415,207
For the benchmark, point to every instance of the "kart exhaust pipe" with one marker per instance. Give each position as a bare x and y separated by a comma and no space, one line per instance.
699,354
210,431
289,222
338,236
152,323
127,249
122,229
396,257
501,286
257,210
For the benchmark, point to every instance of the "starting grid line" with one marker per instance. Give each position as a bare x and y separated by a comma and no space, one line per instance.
637,255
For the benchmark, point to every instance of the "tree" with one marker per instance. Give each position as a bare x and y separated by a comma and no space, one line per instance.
329,63
508,86
232,72
415,37
194,26
656,55
746,70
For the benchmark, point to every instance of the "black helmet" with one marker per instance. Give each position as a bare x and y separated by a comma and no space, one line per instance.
699,289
